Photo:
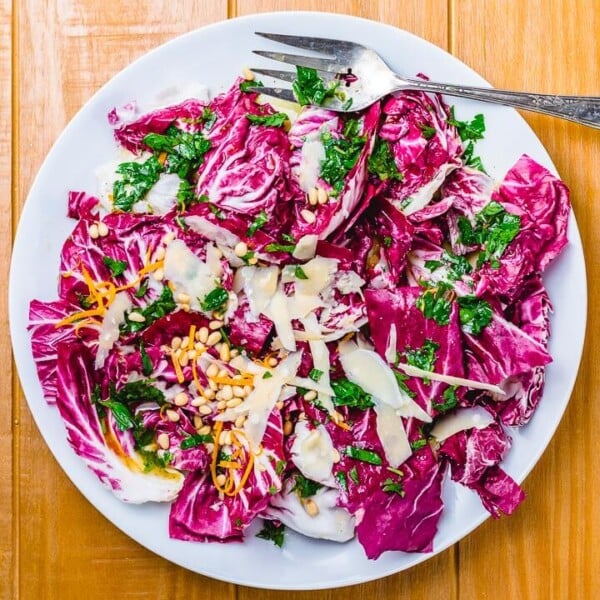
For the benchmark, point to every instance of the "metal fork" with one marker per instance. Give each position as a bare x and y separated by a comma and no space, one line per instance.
365,78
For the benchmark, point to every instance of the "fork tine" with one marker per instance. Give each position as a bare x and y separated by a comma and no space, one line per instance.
321,64
289,76
282,93
322,45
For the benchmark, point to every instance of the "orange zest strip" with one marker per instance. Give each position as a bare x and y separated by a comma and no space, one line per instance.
195,376
246,379
230,464
93,312
191,337
177,367
245,476
342,425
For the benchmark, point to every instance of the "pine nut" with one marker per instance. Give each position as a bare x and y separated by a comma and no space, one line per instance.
241,249
221,405
172,415
199,401
185,307
322,196
213,338
247,74
212,370
209,393
168,238
180,399
93,231
224,353
191,354
226,392
234,352
204,430
199,346
311,508
238,391
335,456
202,334
102,229
239,422
272,361
205,409
185,341
225,438
247,389
308,216
213,325
198,422
221,479
313,196
214,386
184,359
253,260
176,343
160,253
163,441
310,395
223,373
288,427
159,274
183,298
217,315
136,317
233,402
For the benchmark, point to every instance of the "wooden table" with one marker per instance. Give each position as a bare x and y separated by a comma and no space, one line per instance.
53,55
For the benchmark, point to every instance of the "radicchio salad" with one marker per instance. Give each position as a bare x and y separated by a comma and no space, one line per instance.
306,317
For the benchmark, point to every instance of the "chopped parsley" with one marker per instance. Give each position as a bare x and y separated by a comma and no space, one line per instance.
469,132
427,131
250,83
194,440
299,273
456,265
382,163
363,455
392,487
315,374
116,267
418,444
305,487
474,313
273,120
272,247
258,222
267,375
309,88
147,366
424,357
136,181
435,303
353,472
216,300
350,394
342,480
162,306
273,533
494,230
450,400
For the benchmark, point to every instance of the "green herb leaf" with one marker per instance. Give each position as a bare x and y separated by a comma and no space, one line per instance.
363,455
141,291
258,222
121,413
468,130
280,247
195,440
382,163
267,375
299,273
401,381
424,357
141,390
216,300
392,487
147,366
427,131
116,267
353,472
475,314
309,88
136,181
341,155
450,400
274,120
315,374
350,394
273,533
434,304
418,444
342,480
305,487
250,83
162,306
209,117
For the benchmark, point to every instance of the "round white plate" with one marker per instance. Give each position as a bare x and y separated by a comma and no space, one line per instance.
215,55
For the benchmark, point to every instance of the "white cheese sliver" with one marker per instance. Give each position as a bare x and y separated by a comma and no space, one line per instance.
162,196
213,232
392,435
390,351
109,330
188,273
213,260
451,380
260,286
368,370
300,305
311,157
277,311
306,247
309,384
319,273
313,453
460,420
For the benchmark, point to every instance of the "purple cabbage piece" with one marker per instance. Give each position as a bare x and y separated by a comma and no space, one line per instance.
425,147
341,211
199,513
82,205
247,330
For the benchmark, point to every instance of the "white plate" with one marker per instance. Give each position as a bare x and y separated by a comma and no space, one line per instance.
215,55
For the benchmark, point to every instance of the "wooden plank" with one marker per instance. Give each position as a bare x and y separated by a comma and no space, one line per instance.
549,548
66,549
435,578
7,503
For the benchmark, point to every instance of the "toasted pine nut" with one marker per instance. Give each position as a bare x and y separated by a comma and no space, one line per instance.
183,298
136,317
225,438
247,74
288,427
272,361
308,216
199,346
239,422
202,334
102,229
322,196
310,395
233,402
191,354
221,405
199,401
212,370
226,392
185,341
213,338
213,325
238,391
198,422
241,249
205,430
205,409
209,393
224,353
311,508
93,231
214,386
163,441
176,343
159,253
172,415
184,359
221,479
313,196
253,260
180,399
247,389
234,352
159,275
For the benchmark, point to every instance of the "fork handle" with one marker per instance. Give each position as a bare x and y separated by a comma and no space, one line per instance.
580,109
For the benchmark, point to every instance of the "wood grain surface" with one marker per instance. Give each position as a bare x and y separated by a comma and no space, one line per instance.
53,55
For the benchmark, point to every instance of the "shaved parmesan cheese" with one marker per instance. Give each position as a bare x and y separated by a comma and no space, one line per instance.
259,285
368,370
310,384
390,351
162,196
109,330
390,429
188,273
349,282
320,356
451,380
300,305
306,247
311,157
460,420
213,260
277,311
211,231
313,453
319,273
